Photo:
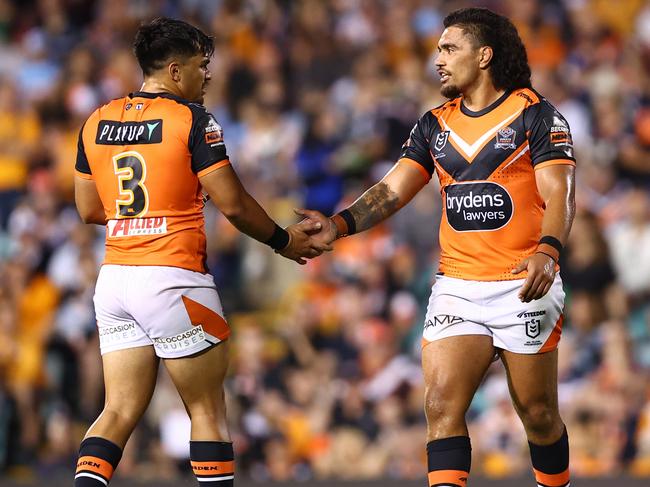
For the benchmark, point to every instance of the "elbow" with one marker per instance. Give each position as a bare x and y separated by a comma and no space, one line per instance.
85,217
233,212
89,217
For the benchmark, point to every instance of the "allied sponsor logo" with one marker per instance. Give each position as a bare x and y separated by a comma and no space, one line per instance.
441,140
182,341
531,314
139,106
506,138
472,207
112,132
133,227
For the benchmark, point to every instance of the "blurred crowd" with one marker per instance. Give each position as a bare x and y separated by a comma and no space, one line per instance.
316,98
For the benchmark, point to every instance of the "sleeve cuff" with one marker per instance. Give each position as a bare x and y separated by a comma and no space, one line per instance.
555,162
83,175
213,167
418,166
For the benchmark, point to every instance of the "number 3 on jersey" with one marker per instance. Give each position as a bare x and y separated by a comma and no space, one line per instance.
131,172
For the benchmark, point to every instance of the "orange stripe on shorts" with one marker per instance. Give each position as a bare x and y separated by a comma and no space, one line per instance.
96,465
211,322
453,477
213,468
552,480
554,337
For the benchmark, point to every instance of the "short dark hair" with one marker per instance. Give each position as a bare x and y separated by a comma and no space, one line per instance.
509,67
163,38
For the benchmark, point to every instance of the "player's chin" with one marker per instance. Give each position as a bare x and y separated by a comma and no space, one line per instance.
450,91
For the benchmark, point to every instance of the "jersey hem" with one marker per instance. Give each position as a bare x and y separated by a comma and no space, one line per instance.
201,270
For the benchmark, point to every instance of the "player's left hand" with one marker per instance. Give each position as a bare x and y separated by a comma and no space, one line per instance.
301,244
541,273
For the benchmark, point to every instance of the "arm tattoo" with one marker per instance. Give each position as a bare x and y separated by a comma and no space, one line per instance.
374,206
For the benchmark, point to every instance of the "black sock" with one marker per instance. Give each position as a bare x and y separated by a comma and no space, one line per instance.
213,463
449,461
98,459
551,462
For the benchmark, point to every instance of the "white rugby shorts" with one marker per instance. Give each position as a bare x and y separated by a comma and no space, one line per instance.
461,307
176,310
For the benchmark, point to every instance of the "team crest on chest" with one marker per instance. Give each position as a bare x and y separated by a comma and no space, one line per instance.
441,140
506,139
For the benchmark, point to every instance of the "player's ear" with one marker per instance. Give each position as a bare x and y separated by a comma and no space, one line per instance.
485,56
174,71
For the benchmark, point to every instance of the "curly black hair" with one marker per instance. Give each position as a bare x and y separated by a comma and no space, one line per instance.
509,67
163,38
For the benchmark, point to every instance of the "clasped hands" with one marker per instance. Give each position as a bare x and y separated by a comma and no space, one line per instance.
310,237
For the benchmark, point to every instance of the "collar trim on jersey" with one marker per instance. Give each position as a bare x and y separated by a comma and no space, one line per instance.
487,109
161,94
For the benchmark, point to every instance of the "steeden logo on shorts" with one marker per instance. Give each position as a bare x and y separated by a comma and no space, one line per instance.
475,207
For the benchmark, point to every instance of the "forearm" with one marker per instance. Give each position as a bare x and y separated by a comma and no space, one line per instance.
556,185
558,216
250,218
374,206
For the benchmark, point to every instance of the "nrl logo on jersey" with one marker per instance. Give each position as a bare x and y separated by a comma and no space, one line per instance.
441,140
506,138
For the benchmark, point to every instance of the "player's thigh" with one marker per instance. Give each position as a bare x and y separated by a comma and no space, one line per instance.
532,379
199,378
453,369
130,379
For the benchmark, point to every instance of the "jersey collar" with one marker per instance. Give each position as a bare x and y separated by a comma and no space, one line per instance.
487,109
161,94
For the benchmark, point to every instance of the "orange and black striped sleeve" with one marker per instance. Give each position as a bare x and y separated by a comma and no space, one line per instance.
417,146
206,142
549,135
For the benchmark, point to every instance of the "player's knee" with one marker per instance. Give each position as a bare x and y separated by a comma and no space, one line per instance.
440,407
206,407
122,417
539,417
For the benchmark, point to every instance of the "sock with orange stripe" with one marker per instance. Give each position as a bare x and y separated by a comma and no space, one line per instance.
449,461
551,462
213,463
98,459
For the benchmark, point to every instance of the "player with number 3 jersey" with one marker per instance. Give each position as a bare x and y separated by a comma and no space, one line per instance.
143,164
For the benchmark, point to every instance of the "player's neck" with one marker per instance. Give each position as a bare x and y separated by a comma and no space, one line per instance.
481,96
153,85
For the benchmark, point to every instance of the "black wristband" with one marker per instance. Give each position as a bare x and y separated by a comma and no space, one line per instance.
279,239
552,241
349,220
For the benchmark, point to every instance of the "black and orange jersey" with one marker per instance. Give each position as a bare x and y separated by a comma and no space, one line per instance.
486,162
146,152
